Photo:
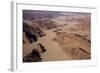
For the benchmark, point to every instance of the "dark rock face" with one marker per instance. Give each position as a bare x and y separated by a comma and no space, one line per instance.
42,47
31,37
31,32
35,55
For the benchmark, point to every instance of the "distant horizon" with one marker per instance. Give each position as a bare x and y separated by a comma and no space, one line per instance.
32,14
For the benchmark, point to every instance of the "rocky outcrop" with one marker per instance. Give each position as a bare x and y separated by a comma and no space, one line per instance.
35,55
32,33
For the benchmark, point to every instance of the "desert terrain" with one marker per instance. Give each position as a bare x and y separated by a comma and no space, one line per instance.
64,35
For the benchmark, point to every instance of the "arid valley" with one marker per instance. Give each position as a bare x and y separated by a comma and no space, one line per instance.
56,36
